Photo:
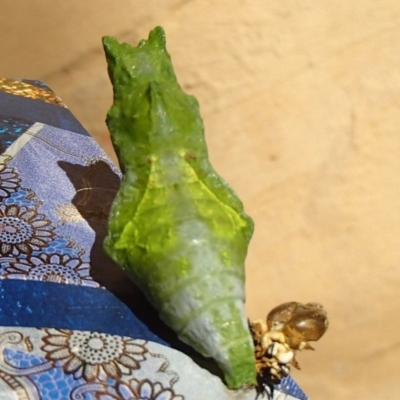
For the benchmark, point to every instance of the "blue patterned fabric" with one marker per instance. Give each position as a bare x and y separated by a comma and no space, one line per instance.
39,111
289,386
56,188
37,304
11,129
84,329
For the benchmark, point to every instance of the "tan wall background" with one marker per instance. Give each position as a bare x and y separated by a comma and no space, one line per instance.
301,102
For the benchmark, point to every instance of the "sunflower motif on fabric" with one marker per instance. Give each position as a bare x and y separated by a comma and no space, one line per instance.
146,390
9,181
140,390
52,268
92,355
23,230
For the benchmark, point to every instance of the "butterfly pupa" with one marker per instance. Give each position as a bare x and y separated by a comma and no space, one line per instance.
176,227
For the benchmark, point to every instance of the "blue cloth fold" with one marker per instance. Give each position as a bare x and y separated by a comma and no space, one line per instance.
52,305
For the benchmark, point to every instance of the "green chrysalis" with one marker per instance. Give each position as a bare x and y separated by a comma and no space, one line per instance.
176,227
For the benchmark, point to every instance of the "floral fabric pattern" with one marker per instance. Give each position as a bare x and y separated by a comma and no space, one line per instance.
56,187
53,364
143,390
146,390
23,230
9,181
51,268
30,244
92,355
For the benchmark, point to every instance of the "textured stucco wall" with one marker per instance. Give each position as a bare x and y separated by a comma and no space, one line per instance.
301,101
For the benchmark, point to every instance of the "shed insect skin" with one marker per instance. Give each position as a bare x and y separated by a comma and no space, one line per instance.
287,329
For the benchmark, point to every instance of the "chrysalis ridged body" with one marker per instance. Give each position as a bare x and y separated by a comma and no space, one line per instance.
176,227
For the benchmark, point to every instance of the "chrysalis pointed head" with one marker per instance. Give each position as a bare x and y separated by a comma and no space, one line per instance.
150,110
149,61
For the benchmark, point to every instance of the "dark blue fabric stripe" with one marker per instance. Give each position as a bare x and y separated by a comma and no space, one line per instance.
53,305
39,111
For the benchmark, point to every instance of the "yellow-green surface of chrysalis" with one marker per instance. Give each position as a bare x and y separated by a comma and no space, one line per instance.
176,227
